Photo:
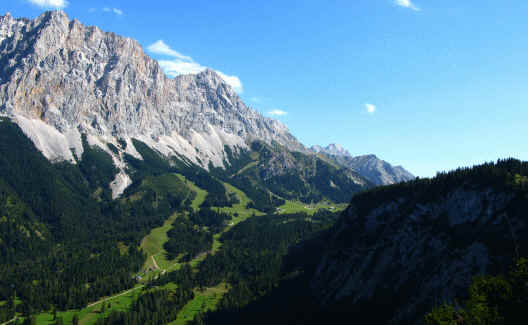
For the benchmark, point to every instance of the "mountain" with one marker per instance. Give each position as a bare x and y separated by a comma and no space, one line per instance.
400,250
60,79
98,148
332,149
289,175
377,171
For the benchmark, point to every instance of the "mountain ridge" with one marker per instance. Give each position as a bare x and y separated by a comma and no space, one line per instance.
377,171
60,78
412,245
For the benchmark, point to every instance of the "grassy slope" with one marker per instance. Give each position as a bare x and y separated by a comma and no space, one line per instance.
200,194
209,297
152,244
90,314
204,300
296,206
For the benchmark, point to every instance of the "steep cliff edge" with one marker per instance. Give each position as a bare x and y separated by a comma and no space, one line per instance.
401,249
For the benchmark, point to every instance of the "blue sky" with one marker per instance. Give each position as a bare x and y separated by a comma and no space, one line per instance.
430,85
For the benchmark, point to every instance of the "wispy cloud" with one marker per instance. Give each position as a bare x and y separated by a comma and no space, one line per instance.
59,4
116,11
256,99
177,67
233,81
183,64
92,10
371,109
406,4
159,47
277,112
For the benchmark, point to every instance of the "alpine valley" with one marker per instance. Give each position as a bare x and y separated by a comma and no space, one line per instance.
127,197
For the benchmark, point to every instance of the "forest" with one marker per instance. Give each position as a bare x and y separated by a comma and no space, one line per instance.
60,232
500,299
251,261
64,242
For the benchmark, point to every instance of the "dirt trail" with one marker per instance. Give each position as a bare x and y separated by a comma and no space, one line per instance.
10,321
155,263
112,297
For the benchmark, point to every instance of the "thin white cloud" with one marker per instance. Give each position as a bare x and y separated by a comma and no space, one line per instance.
159,47
59,4
182,64
255,99
370,108
277,112
233,81
177,67
116,11
406,4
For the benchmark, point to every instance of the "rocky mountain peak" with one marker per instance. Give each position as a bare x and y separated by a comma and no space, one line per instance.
377,171
331,149
60,79
337,149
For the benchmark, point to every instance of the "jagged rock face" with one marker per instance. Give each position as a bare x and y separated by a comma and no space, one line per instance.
331,149
378,171
63,79
405,257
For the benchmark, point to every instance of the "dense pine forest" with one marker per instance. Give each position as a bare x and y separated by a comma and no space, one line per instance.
251,261
64,242
500,299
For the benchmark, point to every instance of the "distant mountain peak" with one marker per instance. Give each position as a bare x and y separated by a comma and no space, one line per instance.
369,166
337,149
331,149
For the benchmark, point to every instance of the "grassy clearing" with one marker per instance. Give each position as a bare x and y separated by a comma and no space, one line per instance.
239,208
296,206
238,211
152,244
204,300
89,315
200,194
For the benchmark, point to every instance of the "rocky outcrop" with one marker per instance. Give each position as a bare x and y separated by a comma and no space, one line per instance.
405,252
59,79
377,171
